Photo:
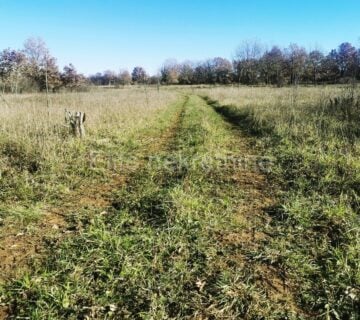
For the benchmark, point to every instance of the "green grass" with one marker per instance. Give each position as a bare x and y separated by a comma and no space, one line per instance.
316,147
159,253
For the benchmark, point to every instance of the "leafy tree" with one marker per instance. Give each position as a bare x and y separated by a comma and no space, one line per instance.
71,79
110,77
347,60
170,72
222,70
200,74
314,65
204,73
11,68
210,76
186,73
97,79
358,64
49,77
331,67
139,75
273,64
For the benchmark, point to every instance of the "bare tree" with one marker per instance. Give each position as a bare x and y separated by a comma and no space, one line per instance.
186,73
314,64
296,57
246,61
124,77
41,66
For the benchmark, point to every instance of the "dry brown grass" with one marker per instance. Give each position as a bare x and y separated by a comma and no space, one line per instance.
122,111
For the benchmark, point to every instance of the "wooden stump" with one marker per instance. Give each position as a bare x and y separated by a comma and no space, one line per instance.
75,120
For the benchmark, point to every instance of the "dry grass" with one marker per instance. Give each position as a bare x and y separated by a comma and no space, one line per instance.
119,111
35,139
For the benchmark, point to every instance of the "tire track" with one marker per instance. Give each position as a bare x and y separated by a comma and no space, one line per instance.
255,238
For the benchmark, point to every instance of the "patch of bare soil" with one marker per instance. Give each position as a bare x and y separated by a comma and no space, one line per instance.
19,245
3,312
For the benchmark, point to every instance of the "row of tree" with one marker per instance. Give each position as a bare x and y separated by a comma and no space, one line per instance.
252,65
34,69
109,77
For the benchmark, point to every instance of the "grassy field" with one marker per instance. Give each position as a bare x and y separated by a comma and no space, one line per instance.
313,135
201,203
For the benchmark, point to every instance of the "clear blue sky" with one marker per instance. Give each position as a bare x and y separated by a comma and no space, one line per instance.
97,35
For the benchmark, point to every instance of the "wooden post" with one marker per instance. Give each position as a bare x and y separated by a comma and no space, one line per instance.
76,121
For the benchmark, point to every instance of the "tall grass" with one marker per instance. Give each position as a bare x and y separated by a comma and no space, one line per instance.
39,159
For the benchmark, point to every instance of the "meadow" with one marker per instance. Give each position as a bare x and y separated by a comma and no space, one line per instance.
182,202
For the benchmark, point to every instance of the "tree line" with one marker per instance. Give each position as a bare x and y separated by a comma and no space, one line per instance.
252,65
33,68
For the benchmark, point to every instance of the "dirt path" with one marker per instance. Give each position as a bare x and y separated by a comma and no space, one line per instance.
18,246
256,233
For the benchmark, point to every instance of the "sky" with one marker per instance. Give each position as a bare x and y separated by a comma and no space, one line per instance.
98,35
